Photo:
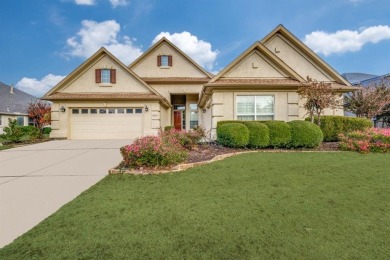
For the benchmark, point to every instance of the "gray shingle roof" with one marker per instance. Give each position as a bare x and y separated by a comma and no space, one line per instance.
15,103
355,78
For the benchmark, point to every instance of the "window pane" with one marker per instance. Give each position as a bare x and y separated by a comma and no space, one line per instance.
20,120
246,118
138,110
264,105
120,110
105,76
75,111
164,60
84,111
111,110
129,111
194,116
102,111
193,106
264,118
245,105
193,124
93,111
179,107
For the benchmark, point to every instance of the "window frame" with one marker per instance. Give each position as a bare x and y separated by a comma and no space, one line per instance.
164,61
255,114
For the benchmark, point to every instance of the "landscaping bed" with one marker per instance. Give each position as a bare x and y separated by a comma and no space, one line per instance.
207,151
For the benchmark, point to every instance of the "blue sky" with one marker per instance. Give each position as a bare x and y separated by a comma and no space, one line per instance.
44,40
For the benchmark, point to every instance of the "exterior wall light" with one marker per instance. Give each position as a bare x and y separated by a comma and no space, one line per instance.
146,109
204,110
62,109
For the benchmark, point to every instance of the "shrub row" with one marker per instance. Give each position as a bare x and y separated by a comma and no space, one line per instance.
255,134
333,126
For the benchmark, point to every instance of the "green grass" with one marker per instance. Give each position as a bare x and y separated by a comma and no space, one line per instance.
262,205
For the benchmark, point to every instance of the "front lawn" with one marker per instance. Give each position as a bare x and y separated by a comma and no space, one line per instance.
259,205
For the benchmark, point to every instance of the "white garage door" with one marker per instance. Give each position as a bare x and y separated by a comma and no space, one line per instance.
106,123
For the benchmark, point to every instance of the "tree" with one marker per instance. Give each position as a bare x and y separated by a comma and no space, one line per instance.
369,101
40,113
318,97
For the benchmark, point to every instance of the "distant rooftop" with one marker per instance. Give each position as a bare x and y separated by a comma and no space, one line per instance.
14,101
376,80
356,78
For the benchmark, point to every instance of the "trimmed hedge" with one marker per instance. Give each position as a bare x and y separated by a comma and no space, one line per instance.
219,123
332,126
233,135
279,133
258,134
304,134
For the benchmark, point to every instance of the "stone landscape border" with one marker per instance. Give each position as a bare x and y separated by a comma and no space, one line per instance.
186,166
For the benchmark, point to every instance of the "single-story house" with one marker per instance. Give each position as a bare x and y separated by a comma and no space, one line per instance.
13,104
105,99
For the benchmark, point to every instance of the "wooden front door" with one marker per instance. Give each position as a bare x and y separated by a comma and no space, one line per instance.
177,120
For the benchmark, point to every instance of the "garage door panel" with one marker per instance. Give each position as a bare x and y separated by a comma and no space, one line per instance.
106,126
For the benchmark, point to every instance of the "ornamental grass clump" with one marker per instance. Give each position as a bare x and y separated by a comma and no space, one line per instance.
153,151
371,140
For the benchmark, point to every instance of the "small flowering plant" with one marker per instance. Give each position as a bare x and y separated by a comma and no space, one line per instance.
168,148
371,140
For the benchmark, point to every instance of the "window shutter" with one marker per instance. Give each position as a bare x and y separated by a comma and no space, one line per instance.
170,60
112,75
159,60
98,76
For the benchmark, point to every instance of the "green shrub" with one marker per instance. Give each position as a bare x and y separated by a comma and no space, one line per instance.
333,126
233,135
279,133
13,132
305,134
219,123
46,130
258,134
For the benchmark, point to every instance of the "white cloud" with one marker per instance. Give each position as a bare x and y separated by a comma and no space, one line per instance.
37,87
346,40
85,2
198,50
116,3
94,35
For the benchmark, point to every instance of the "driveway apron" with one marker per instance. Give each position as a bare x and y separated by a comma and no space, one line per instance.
36,180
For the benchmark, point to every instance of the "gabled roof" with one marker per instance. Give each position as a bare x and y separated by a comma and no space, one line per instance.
280,29
54,93
14,101
158,44
263,50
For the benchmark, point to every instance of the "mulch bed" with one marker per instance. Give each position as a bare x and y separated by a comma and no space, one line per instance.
205,152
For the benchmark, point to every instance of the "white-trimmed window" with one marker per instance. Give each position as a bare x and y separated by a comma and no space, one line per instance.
105,76
193,116
255,107
164,60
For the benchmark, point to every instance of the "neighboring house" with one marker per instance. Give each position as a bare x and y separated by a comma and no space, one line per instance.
103,98
13,104
365,81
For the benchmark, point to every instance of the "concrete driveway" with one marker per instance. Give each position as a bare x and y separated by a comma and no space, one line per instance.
36,180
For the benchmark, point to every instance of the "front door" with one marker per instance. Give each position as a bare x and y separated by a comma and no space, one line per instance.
177,119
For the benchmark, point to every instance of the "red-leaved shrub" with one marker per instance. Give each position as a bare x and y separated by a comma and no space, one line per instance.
371,140
166,149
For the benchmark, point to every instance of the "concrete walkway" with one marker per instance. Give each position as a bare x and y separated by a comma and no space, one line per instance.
36,180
